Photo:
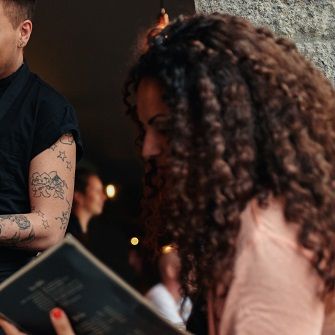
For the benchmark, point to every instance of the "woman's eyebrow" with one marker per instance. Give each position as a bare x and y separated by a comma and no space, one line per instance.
155,117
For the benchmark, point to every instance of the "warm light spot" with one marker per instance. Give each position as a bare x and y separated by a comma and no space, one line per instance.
134,241
166,249
110,191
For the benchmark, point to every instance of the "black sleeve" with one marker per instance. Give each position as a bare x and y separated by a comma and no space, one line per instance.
55,119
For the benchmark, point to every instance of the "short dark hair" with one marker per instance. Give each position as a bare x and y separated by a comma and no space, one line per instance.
19,10
81,179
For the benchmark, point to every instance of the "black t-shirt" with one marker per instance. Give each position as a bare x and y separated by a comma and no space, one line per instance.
75,229
33,116
4,83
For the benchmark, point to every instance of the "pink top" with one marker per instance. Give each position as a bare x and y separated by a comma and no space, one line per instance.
274,291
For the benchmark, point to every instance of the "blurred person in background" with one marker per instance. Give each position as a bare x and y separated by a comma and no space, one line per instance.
144,273
166,296
88,201
100,231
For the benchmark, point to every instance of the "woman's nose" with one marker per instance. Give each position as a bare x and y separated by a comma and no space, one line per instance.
151,145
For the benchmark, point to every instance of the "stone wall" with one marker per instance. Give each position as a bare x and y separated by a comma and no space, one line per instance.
310,23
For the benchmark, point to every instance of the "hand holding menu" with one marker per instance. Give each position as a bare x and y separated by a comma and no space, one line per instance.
95,299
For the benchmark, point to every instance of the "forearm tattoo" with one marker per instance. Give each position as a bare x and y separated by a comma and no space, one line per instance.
64,218
48,185
21,221
21,227
44,221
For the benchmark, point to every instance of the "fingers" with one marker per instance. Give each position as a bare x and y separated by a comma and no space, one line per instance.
9,329
58,318
60,322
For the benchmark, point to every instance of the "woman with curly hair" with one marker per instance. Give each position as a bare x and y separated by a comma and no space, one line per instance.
238,132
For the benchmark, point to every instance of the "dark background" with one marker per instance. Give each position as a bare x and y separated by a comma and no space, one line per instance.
83,49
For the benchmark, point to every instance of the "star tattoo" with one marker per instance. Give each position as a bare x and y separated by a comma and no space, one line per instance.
62,155
69,165
45,224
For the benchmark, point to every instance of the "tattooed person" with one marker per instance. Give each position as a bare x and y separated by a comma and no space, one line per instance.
39,142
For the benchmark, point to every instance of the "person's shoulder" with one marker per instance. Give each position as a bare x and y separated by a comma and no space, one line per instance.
266,224
161,297
48,96
157,290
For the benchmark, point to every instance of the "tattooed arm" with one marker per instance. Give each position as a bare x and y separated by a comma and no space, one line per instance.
51,182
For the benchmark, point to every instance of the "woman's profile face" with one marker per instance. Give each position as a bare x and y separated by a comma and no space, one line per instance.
152,113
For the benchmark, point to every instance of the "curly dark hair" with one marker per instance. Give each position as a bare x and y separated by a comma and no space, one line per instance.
249,117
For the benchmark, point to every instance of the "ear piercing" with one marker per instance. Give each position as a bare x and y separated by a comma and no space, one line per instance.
21,44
